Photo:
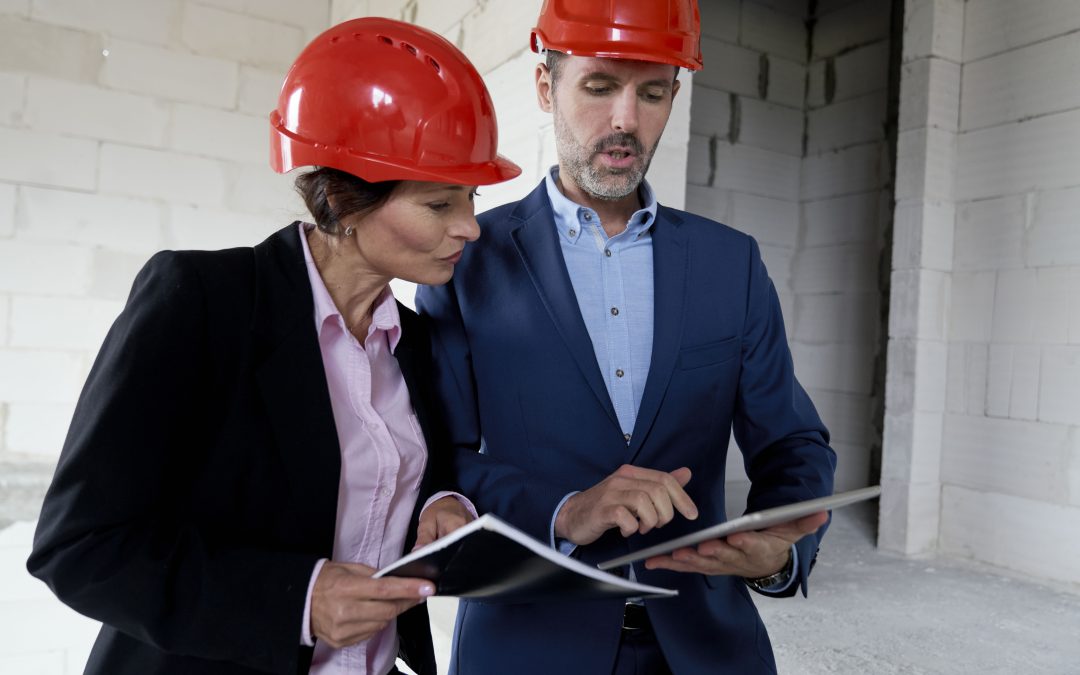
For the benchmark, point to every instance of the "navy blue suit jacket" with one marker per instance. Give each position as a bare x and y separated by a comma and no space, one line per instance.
516,369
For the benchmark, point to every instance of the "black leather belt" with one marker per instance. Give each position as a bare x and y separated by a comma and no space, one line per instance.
635,618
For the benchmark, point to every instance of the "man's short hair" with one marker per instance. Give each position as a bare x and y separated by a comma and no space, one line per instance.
554,59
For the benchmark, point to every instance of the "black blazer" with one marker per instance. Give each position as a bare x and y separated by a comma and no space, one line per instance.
198,484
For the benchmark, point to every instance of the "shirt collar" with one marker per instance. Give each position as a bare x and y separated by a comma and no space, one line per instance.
384,316
571,217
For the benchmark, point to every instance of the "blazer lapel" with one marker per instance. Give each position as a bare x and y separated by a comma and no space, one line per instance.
292,379
538,245
669,280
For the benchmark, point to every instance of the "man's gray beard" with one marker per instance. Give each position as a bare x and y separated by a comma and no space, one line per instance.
576,160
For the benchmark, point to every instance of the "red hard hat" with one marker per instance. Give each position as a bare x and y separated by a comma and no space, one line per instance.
663,31
386,100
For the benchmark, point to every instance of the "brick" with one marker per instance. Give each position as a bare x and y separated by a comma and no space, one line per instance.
41,663
771,127
237,37
1014,308
996,26
45,269
208,229
832,318
259,88
919,304
915,447
1059,390
255,188
48,159
1013,532
7,210
720,21
710,112
933,28
1054,237
778,261
112,273
667,174
930,95
439,16
709,202
926,165
103,114
677,133
858,72
61,323
835,269
853,25
1018,458
60,216
23,628
12,95
131,19
493,31
853,219
972,306
852,466
729,68
1002,89
1074,470
1055,288
42,49
210,132
514,95
5,312
38,429
909,516
847,123
930,371
38,376
163,175
171,75
744,168
954,378
770,221
305,14
796,9
990,234
787,82
849,417
1013,382
840,368
923,234
1038,154
772,32
860,168
15,7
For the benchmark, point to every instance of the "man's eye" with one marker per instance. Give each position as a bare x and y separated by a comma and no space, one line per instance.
598,91
653,96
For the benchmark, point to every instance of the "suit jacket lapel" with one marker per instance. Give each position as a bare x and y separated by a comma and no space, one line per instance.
292,379
538,245
669,279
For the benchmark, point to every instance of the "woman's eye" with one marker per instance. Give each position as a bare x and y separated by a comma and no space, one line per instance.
439,206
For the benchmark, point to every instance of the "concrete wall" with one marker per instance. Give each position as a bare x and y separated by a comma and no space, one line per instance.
983,436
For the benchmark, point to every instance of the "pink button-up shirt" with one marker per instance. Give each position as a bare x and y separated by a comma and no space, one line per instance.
382,459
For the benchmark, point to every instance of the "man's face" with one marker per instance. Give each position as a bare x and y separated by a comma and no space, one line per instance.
609,115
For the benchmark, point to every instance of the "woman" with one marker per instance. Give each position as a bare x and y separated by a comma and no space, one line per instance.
250,417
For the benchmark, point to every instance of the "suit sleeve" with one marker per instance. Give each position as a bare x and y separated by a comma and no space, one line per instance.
113,541
785,445
494,486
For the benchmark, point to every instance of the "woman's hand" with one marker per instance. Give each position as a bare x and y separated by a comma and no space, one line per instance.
348,606
440,518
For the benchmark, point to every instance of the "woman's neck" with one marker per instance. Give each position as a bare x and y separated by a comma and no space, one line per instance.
352,284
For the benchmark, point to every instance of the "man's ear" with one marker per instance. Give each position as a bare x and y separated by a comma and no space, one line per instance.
545,89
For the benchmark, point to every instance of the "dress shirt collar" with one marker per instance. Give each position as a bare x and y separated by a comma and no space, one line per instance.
384,316
571,218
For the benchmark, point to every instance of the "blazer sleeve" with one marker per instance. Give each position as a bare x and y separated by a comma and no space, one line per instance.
113,542
494,486
785,445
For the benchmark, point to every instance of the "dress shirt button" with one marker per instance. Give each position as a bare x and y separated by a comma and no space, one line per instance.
626,437
588,216
619,373
572,233
385,492
607,252
614,311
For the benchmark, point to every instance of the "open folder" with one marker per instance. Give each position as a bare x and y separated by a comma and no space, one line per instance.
492,561
759,520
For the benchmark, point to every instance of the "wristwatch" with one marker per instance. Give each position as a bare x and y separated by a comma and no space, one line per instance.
766,583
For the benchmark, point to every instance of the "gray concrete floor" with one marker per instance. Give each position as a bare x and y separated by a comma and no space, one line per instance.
872,612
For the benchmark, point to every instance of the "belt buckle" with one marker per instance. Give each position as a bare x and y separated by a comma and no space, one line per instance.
635,617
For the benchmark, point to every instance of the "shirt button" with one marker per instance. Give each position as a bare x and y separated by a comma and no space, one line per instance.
607,252
619,373
385,492
572,233
626,437
614,311
588,216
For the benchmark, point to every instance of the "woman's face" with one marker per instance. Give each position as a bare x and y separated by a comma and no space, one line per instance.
419,233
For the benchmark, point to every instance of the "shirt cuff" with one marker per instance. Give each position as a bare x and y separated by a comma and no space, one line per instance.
792,578
447,493
306,638
564,546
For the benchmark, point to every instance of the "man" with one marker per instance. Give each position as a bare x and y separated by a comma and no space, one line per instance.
598,349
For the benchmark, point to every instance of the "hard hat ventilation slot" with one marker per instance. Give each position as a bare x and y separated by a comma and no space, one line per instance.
434,64
385,40
409,48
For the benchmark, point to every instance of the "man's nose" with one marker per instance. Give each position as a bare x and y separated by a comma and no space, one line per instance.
624,117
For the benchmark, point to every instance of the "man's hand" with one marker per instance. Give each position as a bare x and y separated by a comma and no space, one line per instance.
348,606
632,499
746,554
439,519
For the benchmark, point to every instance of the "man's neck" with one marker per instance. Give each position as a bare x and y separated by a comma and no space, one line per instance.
614,214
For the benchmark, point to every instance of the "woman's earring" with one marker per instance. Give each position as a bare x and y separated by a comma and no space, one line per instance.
348,231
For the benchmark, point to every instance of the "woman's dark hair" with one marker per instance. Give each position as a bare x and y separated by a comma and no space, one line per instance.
331,195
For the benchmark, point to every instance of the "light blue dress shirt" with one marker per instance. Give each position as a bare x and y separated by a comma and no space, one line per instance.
613,282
